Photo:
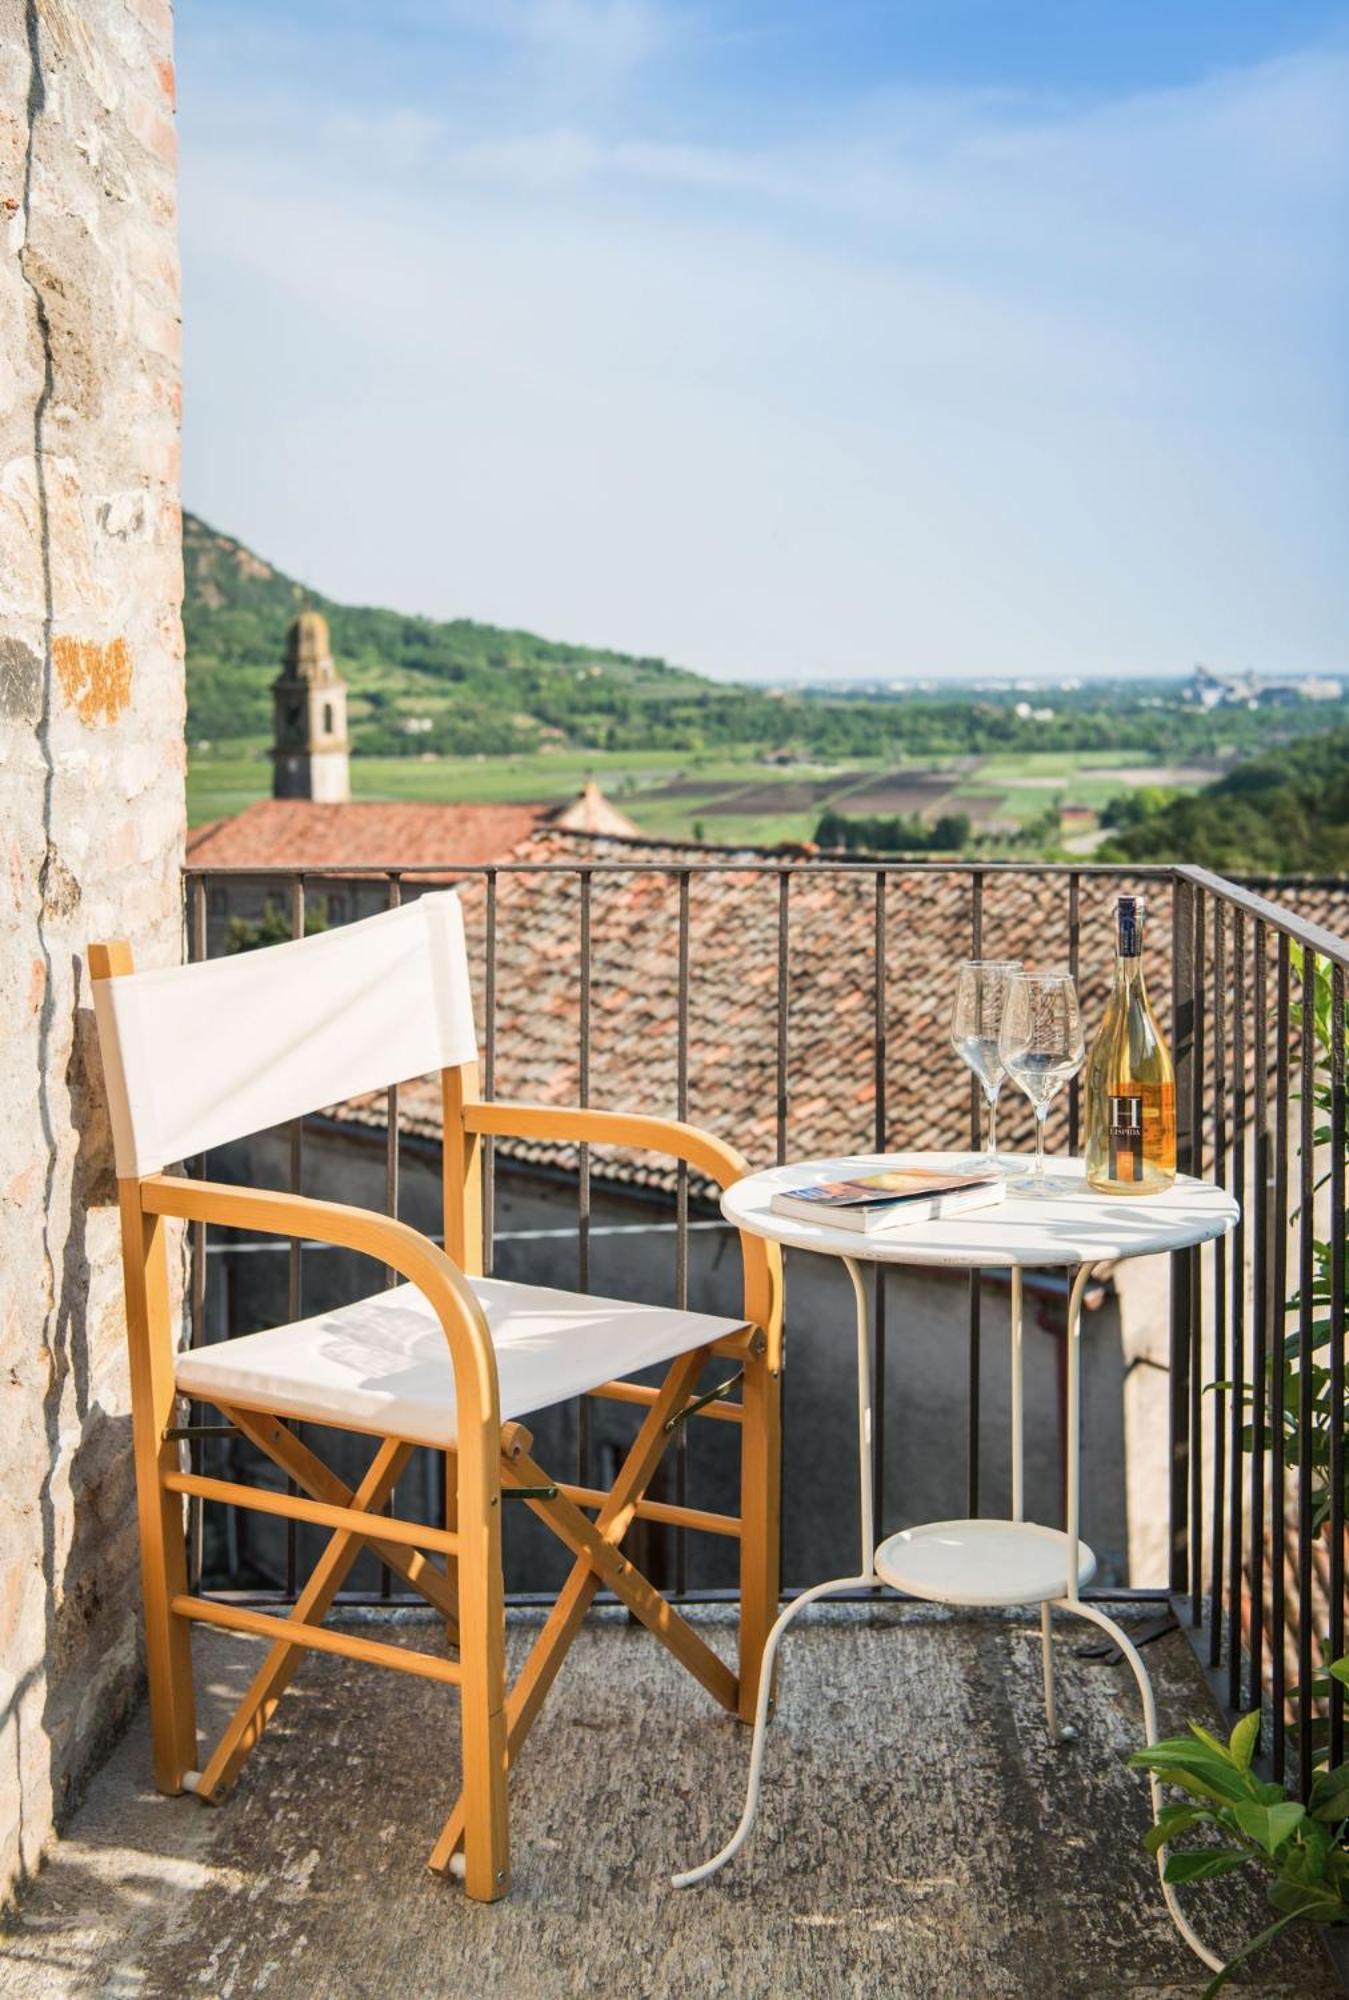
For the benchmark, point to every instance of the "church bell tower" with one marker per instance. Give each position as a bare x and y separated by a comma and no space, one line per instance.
309,718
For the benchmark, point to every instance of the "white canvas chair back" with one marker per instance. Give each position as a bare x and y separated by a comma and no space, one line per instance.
197,1055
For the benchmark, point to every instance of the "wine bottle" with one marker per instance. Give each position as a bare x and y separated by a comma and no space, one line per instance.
1131,1083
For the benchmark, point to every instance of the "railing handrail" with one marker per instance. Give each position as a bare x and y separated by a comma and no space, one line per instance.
1274,916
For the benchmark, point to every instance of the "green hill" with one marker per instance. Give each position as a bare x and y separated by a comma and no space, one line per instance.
1283,813
479,688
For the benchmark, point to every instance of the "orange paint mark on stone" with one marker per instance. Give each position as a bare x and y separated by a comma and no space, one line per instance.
95,679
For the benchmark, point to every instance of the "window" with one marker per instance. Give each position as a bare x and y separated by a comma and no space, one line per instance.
327,718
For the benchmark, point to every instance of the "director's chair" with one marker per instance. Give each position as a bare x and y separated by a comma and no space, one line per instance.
198,1055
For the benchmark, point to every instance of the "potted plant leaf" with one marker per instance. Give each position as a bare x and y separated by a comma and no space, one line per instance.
1303,1850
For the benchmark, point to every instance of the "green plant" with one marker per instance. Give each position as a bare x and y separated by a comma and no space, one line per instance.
1302,1849
272,927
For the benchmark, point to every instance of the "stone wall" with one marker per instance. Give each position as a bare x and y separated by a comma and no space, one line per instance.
92,822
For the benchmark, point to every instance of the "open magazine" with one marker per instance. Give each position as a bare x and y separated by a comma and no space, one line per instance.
890,1199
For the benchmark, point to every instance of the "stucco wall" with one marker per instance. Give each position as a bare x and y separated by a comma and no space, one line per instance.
92,821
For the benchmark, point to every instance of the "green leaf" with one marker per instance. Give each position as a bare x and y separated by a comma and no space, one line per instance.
1210,1742
1304,1899
1270,1826
1340,1669
1204,1866
1199,1766
1243,1739
1172,1820
1330,1794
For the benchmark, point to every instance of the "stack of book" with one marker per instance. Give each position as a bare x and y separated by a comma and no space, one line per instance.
892,1199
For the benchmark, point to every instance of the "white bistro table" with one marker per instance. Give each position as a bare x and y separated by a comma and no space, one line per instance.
981,1562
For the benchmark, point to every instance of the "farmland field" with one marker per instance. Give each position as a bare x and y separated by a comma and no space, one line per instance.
676,796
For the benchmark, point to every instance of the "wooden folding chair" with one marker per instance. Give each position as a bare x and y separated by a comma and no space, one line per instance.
198,1055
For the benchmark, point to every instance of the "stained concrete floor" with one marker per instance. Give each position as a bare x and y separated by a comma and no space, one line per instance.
919,1837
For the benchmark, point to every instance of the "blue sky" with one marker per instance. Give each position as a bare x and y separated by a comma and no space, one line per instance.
940,337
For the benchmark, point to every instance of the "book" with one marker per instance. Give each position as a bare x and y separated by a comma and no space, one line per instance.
892,1199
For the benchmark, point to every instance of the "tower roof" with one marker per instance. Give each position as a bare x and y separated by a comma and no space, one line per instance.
308,651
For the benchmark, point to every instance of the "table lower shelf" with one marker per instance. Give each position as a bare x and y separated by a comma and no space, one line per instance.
982,1562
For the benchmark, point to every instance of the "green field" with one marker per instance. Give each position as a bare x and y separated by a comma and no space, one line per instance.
718,798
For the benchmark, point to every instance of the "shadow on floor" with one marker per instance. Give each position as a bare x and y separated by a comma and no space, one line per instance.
919,1837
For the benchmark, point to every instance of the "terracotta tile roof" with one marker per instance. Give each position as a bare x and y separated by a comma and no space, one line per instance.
299,833
831,1048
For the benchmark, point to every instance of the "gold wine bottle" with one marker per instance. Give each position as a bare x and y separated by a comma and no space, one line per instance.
1131,1084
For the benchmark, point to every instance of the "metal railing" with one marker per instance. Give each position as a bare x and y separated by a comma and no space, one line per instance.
1256,1470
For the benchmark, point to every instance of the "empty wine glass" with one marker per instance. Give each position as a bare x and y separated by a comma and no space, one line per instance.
1042,1046
976,1017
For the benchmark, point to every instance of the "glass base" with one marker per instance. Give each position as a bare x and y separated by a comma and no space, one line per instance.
1047,1183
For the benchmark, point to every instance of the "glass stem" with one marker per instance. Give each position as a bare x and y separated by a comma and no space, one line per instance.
992,1097
1041,1114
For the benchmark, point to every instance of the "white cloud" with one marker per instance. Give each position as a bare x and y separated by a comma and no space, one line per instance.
964,383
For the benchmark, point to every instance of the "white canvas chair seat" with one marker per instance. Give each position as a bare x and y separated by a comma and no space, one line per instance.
382,1364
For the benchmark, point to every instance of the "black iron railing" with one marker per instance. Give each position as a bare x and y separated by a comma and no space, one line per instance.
1255,1496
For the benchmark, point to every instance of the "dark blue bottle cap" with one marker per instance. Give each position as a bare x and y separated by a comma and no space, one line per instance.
1130,911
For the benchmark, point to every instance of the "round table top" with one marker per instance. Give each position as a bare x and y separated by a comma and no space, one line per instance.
1074,1226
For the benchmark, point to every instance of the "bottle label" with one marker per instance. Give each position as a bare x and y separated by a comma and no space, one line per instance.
1125,1113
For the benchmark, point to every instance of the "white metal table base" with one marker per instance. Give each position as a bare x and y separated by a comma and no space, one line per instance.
867,1577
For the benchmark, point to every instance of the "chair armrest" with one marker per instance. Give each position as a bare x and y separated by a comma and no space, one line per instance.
383,1237
712,1156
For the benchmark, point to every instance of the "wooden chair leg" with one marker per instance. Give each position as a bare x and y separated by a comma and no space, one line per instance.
168,1646
482,1660
760,1531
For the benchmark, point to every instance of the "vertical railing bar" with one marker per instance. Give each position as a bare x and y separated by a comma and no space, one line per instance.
1074,967
196,1534
976,1291
1305,1345
1260,1262
583,1164
879,1005
1198,1080
1279,1261
682,1209
784,1010
1218,1510
1182,1034
1339,1414
393,900
489,1076
294,1275
1237,1364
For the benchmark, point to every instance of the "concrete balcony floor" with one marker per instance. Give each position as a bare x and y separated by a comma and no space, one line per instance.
919,1836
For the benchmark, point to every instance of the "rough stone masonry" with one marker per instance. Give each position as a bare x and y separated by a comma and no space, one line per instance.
92,823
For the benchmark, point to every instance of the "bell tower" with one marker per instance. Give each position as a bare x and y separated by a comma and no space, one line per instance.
309,718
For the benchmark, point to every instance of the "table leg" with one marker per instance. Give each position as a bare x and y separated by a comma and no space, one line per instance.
1095,1616
866,1575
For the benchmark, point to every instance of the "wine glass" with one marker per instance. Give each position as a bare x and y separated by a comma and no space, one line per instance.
976,1016
1041,1045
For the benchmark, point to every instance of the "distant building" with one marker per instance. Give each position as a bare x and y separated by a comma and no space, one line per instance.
1074,818
1249,690
310,752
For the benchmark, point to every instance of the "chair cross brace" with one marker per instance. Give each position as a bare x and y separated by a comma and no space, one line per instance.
595,1544
599,1560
